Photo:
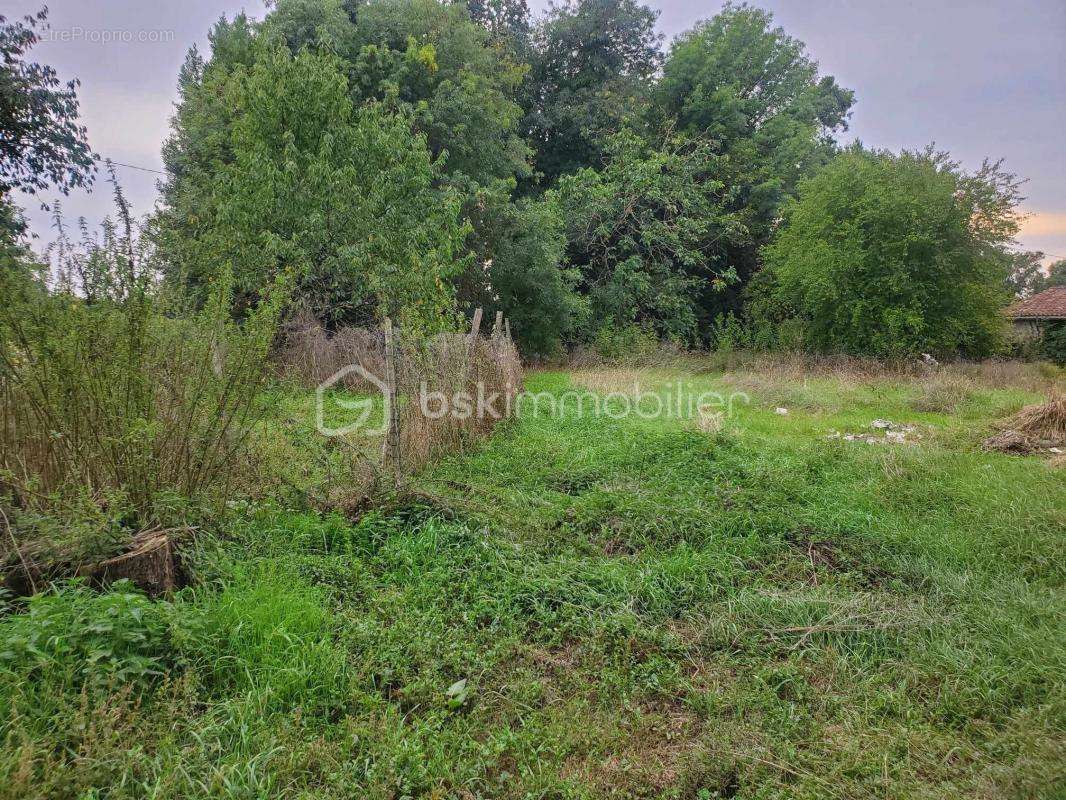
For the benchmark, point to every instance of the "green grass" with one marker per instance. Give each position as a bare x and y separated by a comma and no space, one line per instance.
639,608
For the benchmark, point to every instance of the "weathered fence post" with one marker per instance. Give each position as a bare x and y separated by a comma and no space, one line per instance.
390,448
475,326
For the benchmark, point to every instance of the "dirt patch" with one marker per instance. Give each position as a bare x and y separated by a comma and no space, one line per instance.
573,485
657,750
620,547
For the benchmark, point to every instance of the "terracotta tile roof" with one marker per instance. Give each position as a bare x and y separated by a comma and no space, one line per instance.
1048,304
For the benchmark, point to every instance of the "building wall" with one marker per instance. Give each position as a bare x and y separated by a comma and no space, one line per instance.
1024,330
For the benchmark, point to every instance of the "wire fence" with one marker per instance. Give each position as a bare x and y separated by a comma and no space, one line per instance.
440,392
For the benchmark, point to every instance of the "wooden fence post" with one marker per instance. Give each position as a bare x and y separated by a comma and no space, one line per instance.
471,343
390,448
475,326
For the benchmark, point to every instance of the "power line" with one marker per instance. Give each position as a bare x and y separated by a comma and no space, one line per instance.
142,169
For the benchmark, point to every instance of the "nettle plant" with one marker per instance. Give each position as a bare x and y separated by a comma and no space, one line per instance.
75,637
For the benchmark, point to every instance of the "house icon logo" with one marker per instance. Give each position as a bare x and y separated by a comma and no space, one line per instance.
357,411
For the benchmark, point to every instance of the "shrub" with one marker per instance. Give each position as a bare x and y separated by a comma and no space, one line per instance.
1054,343
625,343
895,255
112,390
72,637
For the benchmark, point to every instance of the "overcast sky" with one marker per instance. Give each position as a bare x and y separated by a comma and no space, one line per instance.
978,78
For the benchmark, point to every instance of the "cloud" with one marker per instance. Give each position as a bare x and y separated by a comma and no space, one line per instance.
1044,223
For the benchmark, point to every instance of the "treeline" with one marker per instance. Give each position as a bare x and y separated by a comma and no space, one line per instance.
417,159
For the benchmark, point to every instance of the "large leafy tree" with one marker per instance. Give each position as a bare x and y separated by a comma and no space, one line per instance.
518,272
342,196
432,61
591,64
649,232
894,255
752,91
1056,275
421,61
42,143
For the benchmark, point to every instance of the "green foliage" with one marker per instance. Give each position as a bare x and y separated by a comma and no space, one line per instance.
286,202
619,345
754,93
72,637
410,104
458,88
265,633
648,233
1053,343
41,141
591,63
110,387
518,272
896,255
1056,274
1025,273
507,21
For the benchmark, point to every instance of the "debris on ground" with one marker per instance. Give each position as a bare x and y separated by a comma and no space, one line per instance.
781,411
1039,428
889,433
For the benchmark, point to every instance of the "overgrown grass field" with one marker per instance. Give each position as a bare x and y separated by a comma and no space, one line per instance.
585,607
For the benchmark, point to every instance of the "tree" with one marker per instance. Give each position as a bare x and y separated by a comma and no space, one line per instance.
894,255
422,61
506,20
430,60
42,143
517,271
752,92
1025,272
590,66
342,196
1056,274
648,233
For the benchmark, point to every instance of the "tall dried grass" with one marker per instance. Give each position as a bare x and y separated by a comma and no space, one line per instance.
118,405
444,367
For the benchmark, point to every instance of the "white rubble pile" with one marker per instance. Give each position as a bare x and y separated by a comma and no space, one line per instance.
888,432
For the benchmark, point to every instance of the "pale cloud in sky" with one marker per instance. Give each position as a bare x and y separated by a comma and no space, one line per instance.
1045,223
1045,231
981,79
